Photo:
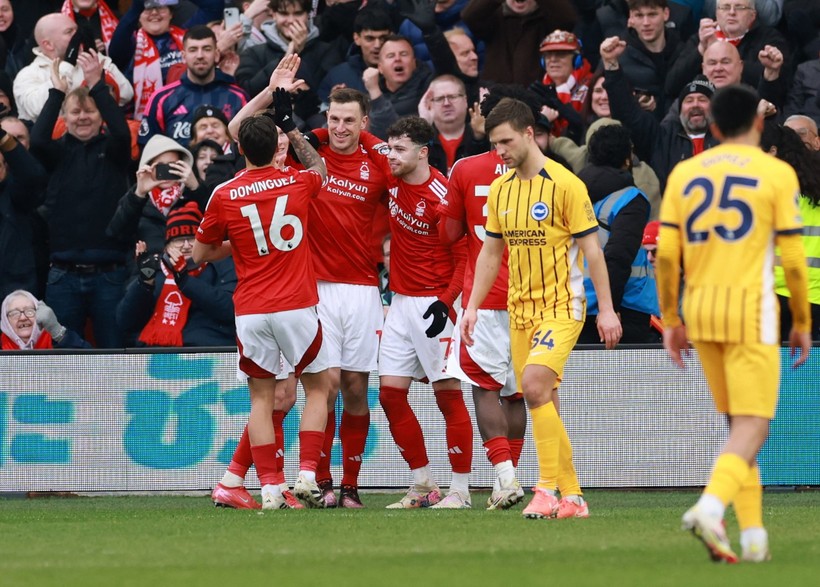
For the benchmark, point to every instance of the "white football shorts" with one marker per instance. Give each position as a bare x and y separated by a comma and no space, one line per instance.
297,334
488,363
352,319
405,350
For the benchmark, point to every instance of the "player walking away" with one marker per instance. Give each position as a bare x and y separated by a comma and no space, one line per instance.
722,214
500,412
263,211
350,309
543,214
426,278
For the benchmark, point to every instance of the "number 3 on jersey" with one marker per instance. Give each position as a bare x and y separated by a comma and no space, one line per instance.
705,186
277,229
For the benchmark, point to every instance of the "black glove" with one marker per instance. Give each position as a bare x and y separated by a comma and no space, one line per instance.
420,13
440,313
283,110
546,95
148,266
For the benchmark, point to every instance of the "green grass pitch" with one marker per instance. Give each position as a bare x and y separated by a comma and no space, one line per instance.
631,538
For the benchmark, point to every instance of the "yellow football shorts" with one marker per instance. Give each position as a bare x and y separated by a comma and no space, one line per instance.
548,343
743,378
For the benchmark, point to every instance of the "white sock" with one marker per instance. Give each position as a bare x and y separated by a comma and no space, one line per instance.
283,487
576,499
711,506
496,484
505,473
270,491
309,476
422,477
460,483
232,480
751,536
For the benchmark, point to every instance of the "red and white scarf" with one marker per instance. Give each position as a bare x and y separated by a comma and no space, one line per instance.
147,69
108,20
165,326
165,199
721,36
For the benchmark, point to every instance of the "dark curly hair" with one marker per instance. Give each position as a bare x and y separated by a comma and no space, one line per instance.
789,147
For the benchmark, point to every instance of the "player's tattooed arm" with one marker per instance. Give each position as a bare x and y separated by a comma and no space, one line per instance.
306,154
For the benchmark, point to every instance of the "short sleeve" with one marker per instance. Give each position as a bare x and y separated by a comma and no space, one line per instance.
578,210
452,204
212,229
493,226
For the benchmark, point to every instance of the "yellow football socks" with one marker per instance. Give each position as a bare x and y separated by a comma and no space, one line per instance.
728,476
546,426
748,502
567,477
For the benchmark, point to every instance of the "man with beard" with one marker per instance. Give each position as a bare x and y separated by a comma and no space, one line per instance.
662,144
171,109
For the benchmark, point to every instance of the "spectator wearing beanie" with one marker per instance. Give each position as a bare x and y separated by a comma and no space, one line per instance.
142,211
174,303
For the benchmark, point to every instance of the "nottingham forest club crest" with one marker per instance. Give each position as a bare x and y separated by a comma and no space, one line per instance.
539,211
421,208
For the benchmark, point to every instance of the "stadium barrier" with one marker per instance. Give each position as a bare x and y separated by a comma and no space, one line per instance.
169,421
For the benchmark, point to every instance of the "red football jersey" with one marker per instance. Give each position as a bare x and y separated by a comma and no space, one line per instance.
264,212
466,201
342,217
420,264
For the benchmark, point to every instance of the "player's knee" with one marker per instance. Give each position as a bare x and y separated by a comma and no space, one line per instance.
391,398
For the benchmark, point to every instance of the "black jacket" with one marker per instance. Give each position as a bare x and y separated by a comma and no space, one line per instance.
647,71
689,62
20,193
211,317
661,145
87,180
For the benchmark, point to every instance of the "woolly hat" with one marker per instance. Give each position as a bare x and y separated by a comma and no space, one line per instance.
159,144
182,221
208,111
699,85
160,3
650,233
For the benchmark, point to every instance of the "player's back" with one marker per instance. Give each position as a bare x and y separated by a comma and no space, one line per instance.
263,212
728,203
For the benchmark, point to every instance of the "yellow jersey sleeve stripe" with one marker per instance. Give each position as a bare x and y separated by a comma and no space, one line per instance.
585,232
790,231
494,234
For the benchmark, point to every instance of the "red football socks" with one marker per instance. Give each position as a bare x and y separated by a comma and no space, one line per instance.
353,434
459,429
404,426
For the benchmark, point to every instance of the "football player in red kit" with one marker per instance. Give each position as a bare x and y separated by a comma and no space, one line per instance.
487,365
340,238
263,212
426,278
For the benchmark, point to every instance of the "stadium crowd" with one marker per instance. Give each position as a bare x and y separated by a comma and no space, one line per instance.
118,121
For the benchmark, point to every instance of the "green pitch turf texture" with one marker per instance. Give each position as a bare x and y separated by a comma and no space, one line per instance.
632,538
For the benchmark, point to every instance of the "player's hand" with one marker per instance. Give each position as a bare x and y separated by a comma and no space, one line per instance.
609,328
283,110
284,75
676,344
440,313
801,341
468,319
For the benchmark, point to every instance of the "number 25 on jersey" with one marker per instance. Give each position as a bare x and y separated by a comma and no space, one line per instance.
285,230
699,232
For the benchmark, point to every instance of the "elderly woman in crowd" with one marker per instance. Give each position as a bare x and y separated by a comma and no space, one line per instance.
28,324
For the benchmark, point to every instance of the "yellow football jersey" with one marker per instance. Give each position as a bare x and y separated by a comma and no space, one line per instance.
727,204
538,220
